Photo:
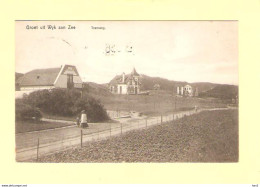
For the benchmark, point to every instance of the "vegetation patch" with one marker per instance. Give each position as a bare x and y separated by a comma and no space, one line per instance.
222,92
25,111
63,102
34,125
157,103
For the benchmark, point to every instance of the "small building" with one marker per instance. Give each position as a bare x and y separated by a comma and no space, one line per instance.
65,76
125,83
187,90
156,87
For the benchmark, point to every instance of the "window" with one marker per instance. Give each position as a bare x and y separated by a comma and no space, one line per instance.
70,83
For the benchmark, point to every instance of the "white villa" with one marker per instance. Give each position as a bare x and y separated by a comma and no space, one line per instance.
187,90
125,83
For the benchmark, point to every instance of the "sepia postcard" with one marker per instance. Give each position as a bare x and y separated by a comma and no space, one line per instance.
126,91
129,92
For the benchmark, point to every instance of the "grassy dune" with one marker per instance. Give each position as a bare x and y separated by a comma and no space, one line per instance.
156,103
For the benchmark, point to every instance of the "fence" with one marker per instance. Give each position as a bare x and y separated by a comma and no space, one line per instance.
81,136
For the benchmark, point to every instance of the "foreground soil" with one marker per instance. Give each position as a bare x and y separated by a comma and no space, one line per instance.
211,136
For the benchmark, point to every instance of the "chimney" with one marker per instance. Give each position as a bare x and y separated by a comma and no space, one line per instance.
123,77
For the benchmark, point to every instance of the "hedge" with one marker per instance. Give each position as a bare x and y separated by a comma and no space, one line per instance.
64,102
25,111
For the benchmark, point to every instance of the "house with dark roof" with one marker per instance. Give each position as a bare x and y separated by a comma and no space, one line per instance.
65,76
125,83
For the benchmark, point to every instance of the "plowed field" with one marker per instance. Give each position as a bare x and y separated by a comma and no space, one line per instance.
210,136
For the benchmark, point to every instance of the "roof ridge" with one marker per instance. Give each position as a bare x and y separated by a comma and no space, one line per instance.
134,72
45,76
41,69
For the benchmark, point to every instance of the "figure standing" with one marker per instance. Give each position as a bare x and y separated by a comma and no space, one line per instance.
83,119
78,121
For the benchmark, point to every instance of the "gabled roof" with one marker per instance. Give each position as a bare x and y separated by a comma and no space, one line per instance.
134,73
118,79
115,80
19,80
39,77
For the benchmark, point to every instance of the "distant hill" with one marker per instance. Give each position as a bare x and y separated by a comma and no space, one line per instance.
206,89
96,89
221,91
147,83
204,86
18,75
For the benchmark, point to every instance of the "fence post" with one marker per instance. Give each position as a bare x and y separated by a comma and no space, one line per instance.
110,130
81,138
146,123
38,146
121,128
161,120
62,140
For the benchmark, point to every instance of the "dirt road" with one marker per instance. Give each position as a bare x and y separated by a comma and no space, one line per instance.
54,140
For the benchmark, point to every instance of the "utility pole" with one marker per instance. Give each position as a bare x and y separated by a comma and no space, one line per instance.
81,138
175,102
38,146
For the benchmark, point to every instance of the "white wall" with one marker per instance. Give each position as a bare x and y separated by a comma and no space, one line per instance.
181,90
188,89
62,82
19,94
27,88
124,88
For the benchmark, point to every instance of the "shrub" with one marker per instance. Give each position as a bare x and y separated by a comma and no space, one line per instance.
95,110
26,112
64,102
55,101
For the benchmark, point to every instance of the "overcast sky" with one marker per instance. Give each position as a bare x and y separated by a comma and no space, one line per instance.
192,51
